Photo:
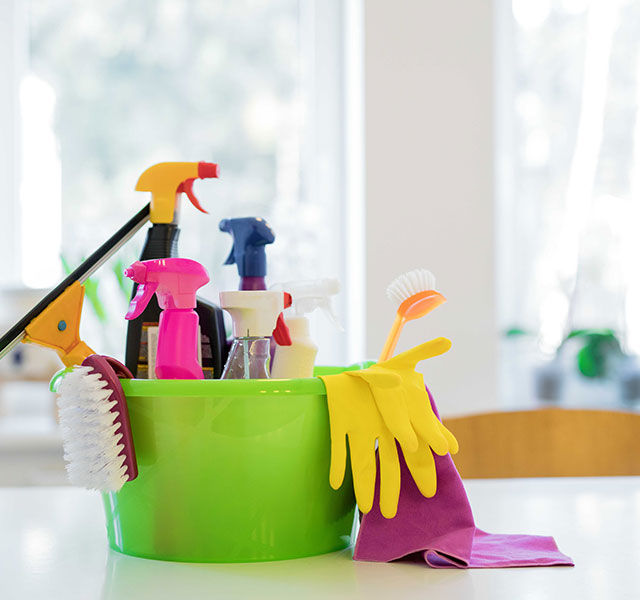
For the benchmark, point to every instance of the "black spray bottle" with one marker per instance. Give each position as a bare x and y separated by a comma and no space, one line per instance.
166,182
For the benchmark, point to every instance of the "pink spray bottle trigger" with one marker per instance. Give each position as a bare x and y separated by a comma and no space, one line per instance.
175,281
137,271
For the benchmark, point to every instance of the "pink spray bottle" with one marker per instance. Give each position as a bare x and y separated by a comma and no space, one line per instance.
175,281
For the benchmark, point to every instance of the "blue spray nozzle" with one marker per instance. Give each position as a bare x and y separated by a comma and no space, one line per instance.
250,236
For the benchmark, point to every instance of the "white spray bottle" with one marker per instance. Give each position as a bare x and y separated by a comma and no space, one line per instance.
257,315
298,359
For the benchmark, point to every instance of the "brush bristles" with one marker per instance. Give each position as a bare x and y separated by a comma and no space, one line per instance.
90,432
408,284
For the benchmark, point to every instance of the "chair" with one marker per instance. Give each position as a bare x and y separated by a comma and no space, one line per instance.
551,442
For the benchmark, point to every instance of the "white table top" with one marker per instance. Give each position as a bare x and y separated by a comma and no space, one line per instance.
53,545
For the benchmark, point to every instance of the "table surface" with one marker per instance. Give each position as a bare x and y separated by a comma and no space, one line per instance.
53,545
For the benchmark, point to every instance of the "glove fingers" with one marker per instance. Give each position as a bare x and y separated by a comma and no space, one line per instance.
423,470
426,424
338,460
338,413
395,414
363,467
389,476
451,440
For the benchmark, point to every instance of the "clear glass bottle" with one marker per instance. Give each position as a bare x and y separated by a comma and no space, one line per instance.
248,359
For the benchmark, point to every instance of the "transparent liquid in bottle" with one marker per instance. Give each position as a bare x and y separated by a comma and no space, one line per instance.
248,359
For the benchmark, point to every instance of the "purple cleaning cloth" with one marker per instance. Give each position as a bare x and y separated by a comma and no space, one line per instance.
441,530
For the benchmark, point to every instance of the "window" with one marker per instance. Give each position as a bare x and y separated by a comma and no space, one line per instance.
569,137
104,89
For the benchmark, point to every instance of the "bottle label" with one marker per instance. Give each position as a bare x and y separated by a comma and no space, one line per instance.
205,355
152,346
143,355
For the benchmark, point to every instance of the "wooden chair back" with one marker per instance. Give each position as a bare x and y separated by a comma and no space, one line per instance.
552,442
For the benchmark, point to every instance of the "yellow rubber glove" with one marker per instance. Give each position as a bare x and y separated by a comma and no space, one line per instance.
386,402
353,414
409,401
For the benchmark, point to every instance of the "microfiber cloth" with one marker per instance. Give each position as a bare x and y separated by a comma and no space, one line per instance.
442,530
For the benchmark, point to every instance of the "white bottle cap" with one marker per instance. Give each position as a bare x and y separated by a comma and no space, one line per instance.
254,313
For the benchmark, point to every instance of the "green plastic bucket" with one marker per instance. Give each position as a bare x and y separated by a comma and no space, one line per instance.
230,471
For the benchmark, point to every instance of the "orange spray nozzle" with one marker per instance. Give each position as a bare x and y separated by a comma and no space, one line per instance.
167,180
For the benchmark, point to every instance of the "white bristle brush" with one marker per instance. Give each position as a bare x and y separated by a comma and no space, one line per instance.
414,293
94,420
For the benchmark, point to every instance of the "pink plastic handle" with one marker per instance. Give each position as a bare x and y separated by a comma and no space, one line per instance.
141,299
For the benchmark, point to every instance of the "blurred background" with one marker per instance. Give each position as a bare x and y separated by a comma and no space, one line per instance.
495,143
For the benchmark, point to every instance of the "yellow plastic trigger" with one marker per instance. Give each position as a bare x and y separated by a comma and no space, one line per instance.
58,327
163,180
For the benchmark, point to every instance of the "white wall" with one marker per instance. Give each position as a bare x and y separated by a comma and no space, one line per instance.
429,183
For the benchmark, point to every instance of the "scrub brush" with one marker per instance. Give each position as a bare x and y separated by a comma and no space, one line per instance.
414,293
94,419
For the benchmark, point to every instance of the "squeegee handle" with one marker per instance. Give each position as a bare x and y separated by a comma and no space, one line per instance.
17,333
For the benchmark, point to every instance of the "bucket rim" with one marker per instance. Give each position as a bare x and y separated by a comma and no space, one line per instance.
310,386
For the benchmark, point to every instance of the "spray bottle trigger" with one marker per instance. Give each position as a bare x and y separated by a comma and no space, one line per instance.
281,333
231,259
331,315
141,299
225,225
187,187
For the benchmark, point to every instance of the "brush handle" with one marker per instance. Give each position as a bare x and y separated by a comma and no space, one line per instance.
392,338
110,371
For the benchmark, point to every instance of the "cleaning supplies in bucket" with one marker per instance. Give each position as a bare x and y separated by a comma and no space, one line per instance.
230,471
97,439
167,181
414,292
298,359
94,421
55,321
256,317
386,402
175,281
250,236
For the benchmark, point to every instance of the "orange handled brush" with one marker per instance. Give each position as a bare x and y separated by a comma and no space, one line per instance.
415,294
